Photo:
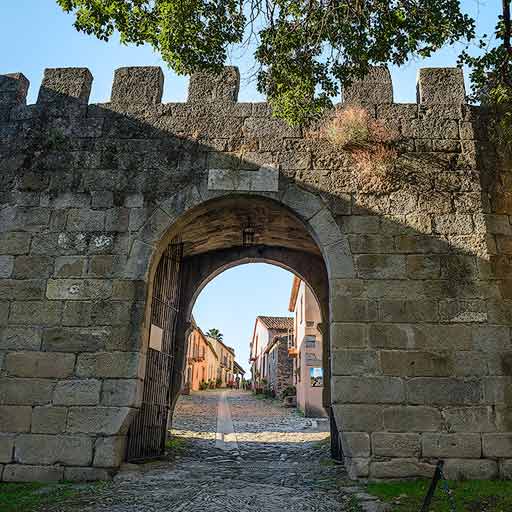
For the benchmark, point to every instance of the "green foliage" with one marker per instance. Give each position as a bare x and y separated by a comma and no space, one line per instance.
288,391
304,50
491,78
176,445
32,496
215,334
481,495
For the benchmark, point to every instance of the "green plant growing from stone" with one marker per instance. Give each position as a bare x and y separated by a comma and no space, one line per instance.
306,51
370,144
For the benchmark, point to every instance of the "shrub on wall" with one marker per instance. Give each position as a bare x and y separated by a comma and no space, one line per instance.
370,144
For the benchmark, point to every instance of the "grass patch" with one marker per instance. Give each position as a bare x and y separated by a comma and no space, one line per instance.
176,445
29,497
470,496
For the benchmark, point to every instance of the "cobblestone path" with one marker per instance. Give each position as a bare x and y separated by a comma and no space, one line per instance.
280,462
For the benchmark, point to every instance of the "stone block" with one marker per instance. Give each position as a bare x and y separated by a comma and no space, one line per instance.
6,266
462,446
497,390
77,392
26,473
444,391
469,419
64,84
396,445
380,266
325,229
408,311
264,179
217,88
467,469
109,452
117,220
77,313
14,418
345,309
376,87
122,392
21,290
4,313
117,365
302,202
78,289
35,312
408,363
6,448
84,474
339,261
138,85
13,89
102,198
32,267
441,86
128,290
26,391
505,468
406,418
402,468
346,335
14,243
108,421
76,339
421,266
355,444
85,219
391,336
20,338
370,390
70,266
49,420
39,364
53,449
361,224
358,418
497,445
354,362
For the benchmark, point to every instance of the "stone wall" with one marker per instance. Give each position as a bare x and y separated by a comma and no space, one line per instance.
420,285
280,366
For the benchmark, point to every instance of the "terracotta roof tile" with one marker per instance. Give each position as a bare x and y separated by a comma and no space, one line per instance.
281,323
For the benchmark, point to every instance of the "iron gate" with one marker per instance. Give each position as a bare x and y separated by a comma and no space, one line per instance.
147,433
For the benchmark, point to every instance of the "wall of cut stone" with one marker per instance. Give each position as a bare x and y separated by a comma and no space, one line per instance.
419,273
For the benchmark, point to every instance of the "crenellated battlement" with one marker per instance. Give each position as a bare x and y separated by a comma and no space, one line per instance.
143,86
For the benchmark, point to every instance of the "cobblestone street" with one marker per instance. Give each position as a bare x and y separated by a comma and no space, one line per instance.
265,458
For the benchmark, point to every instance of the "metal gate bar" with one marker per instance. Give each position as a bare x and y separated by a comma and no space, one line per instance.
148,431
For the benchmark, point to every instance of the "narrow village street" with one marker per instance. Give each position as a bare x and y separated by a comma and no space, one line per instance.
232,451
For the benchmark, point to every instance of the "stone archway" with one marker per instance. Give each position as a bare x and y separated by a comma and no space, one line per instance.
211,234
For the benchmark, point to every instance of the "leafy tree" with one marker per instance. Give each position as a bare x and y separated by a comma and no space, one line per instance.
305,49
216,334
491,77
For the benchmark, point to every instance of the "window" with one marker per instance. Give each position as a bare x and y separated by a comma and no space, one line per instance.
310,340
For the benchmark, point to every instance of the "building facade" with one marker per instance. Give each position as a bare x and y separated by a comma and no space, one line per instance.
202,362
226,357
305,348
266,328
279,364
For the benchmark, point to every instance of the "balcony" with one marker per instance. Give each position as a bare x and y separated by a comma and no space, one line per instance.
293,352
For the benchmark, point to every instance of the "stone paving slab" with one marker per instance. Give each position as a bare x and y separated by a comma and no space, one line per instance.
282,464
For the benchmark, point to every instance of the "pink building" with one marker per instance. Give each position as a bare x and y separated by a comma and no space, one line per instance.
306,349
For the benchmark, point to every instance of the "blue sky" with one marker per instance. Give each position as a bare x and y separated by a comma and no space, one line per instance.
36,34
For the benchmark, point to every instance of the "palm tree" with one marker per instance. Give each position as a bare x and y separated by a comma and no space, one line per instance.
215,333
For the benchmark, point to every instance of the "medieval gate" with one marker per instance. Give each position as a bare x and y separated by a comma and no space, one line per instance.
147,434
